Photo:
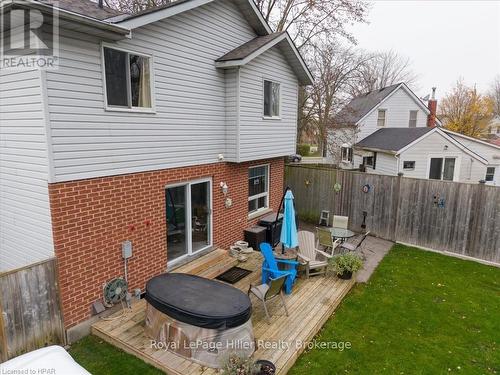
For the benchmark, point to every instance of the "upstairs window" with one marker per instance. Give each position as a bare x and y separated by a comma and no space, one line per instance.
346,154
271,99
413,119
381,117
128,79
490,174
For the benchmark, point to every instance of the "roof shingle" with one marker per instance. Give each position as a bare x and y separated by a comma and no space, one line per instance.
392,139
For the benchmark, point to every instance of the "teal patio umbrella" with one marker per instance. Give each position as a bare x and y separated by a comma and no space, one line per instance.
288,236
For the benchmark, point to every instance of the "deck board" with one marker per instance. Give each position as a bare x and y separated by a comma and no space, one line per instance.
310,305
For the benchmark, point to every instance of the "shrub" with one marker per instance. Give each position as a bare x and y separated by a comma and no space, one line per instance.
303,149
348,262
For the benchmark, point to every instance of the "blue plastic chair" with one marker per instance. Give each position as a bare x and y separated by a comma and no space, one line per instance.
270,268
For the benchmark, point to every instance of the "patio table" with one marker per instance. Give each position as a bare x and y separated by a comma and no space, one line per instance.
341,233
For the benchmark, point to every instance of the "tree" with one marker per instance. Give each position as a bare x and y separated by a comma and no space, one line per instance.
313,20
134,6
335,68
494,94
384,69
466,111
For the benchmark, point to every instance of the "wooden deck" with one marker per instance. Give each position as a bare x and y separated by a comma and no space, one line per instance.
311,303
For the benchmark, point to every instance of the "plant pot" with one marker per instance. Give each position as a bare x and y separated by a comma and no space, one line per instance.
265,367
346,276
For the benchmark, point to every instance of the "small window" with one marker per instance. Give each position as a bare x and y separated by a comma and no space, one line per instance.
369,161
381,117
128,79
258,188
271,99
490,173
346,154
498,129
413,119
408,165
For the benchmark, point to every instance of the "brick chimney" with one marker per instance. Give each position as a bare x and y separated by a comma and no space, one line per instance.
432,106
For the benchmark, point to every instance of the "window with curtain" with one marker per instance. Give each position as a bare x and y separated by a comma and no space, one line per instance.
258,188
128,79
413,119
381,117
271,99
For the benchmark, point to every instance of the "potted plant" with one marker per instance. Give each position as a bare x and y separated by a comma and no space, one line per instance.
265,367
237,365
345,265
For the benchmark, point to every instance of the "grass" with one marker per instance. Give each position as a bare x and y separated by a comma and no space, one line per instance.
101,358
420,313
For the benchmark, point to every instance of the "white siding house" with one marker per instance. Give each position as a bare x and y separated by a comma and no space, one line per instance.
57,126
394,106
431,153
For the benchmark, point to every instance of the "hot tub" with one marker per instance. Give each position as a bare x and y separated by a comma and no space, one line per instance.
201,319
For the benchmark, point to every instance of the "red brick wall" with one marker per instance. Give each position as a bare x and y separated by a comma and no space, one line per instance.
92,217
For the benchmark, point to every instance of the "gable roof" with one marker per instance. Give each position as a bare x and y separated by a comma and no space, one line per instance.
392,139
248,51
106,17
397,140
459,135
361,105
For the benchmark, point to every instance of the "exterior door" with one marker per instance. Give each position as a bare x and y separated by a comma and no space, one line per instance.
449,169
189,218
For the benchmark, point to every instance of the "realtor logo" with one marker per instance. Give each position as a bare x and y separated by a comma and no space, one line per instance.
29,35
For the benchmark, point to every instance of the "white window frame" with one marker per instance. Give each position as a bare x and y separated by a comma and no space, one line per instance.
458,164
409,161
385,117
491,174
187,213
278,117
347,160
410,119
260,195
151,83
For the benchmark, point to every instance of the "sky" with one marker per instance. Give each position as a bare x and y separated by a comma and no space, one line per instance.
444,39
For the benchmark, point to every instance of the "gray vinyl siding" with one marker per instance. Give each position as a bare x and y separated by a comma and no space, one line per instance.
261,138
25,222
189,126
232,114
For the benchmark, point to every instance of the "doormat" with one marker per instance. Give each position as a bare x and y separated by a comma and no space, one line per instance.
233,275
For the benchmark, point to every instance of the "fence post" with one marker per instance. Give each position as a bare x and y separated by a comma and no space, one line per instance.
475,211
395,208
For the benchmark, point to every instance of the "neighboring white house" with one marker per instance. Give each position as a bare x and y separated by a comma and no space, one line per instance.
494,126
394,106
433,153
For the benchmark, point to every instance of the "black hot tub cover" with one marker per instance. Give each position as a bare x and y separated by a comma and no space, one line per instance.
198,301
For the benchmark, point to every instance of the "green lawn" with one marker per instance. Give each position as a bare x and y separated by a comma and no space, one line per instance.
421,313
101,358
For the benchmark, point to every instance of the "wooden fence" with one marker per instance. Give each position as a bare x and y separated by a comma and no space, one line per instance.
30,315
447,216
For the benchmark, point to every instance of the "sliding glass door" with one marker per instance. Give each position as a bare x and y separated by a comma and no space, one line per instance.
189,218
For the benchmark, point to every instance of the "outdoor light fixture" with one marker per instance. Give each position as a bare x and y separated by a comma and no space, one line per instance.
224,188
445,147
